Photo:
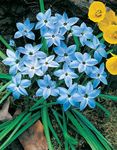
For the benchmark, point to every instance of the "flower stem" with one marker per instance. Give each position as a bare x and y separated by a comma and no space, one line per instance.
41,2
5,43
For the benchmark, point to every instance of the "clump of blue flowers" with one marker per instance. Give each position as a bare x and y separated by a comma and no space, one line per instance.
65,71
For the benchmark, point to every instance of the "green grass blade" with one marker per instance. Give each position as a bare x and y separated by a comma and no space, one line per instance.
110,97
4,97
46,128
25,118
5,76
40,101
28,124
53,131
11,125
103,109
3,125
4,86
67,137
2,55
92,127
82,132
5,43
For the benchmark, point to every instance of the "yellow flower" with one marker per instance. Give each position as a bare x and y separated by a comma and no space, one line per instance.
97,11
110,19
111,65
110,34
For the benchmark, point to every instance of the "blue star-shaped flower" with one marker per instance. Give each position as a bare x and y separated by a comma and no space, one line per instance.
66,23
99,48
68,96
83,32
67,74
45,20
18,85
99,75
86,95
47,87
53,36
48,63
24,29
31,52
14,61
65,54
32,68
83,62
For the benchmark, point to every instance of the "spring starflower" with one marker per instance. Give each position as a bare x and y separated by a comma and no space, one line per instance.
24,29
99,75
47,87
13,60
48,62
18,85
86,95
83,62
45,20
65,54
68,96
66,74
97,11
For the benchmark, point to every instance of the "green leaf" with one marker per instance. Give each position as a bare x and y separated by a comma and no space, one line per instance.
2,55
77,42
67,137
45,124
89,137
25,118
5,43
40,101
5,76
53,131
103,109
29,122
4,97
110,97
11,125
92,128
4,86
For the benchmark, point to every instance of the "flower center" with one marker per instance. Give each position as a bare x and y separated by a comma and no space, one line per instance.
30,53
114,23
86,95
83,63
98,13
17,61
33,68
115,35
66,74
53,36
65,54
98,75
65,24
46,63
45,21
